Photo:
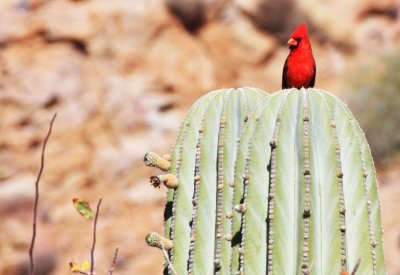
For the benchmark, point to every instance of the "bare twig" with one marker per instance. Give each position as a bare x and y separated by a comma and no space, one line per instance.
114,262
167,258
31,267
356,266
94,236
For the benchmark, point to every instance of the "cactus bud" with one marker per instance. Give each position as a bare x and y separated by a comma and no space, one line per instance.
154,160
156,240
240,208
169,180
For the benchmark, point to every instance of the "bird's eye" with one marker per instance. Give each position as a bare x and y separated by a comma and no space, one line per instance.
298,40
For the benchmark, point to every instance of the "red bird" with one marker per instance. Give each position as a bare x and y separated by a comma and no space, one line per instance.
299,69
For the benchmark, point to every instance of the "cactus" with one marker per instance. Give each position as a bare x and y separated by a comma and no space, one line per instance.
296,195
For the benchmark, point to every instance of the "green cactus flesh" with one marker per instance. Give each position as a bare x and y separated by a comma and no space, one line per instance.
297,194
204,156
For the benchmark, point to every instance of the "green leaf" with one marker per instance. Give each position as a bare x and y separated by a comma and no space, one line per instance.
83,208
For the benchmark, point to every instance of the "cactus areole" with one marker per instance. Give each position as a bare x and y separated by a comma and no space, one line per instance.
272,184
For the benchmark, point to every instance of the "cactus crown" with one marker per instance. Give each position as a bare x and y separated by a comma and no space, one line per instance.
296,194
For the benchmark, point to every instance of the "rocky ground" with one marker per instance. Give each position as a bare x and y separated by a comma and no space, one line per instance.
120,75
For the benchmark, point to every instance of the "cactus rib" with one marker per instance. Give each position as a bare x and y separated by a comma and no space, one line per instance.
305,263
242,157
360,180
220,187
197,184
340,178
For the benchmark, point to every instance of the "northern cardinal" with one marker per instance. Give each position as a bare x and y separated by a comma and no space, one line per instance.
299,69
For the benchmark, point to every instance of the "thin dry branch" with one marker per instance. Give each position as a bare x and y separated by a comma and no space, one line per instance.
94,236
356,266
114,262
31,267
167,259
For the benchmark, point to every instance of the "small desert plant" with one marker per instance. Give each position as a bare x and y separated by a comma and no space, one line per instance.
86,267
36,203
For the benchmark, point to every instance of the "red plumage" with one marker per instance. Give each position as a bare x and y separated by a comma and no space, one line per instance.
299,69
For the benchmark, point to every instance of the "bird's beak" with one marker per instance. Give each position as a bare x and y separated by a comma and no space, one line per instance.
292,42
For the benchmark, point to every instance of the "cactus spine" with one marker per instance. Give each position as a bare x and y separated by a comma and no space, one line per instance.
297,194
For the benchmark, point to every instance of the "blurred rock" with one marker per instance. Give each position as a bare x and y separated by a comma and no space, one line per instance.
279,18
246,44
18,186
17,25
389,192
144,193
194,14
44,265
190,66
191,13
67,20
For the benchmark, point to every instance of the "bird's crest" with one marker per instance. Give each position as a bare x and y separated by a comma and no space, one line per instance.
300,31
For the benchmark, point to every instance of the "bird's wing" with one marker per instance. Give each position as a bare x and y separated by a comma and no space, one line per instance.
284,80
315,73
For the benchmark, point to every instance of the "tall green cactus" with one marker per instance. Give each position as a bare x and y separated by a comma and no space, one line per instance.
296,195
